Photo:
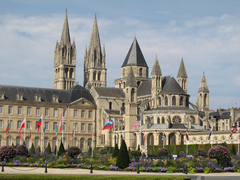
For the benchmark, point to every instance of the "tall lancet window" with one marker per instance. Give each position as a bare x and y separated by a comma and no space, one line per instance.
132,95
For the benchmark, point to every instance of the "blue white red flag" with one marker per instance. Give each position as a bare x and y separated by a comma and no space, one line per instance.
39,123
210,133
109,125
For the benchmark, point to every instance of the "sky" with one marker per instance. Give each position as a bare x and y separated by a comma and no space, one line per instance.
206,34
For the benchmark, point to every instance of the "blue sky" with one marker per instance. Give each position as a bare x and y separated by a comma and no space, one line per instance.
206,34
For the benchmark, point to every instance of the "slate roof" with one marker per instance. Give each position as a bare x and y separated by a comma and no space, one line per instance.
172,86
135,56
110,92
182,73
64,96
145,88
177,126
225,115
156,70
196,127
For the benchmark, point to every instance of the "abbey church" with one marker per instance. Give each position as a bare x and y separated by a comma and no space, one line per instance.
160,102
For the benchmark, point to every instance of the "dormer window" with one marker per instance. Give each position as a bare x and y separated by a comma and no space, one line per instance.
20,96
55,98
1,95
38,97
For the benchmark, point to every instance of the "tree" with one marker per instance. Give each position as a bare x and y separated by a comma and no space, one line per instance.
220,153
61,150
73,152
48,149
89,151
202,152
123,159
32,149
233,150
115,151
38,149
22,150
7,152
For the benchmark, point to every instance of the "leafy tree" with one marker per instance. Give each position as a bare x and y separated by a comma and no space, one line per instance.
7,152
61,150
202,152
32,149
123,159
135,153
115,151
38,149
48,149
220,153
163,152
22,150
73,152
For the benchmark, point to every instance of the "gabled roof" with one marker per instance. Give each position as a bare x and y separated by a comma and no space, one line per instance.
182,73
110,92
145,88
134,56
170,85
64,96
156,70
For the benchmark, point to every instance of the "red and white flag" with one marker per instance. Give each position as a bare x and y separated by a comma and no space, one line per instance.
22,126
61,122
187,135
136,124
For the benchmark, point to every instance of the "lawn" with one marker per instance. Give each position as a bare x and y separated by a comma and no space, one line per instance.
90,177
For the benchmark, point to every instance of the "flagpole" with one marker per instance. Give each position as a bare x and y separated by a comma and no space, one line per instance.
238,137
140,132
114,132
25,128
163,138
42,137
92,138
62,126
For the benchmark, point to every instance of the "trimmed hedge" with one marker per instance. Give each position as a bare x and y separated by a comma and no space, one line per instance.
192,148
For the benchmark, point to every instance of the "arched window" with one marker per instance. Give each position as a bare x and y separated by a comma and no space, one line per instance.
205,100
99,75
163,120
89,143
9,141
110,105
27,142
159,101
71,73
94,75
36,142
140,72
158,120
166,101
174,101
181,101
66,73
132,95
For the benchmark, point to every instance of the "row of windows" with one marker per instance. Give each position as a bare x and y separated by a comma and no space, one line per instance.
46,125
45,142
166,103
55,112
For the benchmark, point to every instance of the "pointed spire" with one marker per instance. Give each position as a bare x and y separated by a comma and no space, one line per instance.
65,39
203,85
131,81
182,73
156,70
135,56
95,39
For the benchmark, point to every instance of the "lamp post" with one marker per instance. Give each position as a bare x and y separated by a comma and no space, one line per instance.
137,160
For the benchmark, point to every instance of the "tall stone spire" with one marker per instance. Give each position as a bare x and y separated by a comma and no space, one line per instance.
203,85
182,76
65,60
156,70
65,38
95,60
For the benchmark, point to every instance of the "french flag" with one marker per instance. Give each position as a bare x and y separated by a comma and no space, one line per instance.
39,123
109,125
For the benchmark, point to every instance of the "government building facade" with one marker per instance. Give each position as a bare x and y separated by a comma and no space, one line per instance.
161,103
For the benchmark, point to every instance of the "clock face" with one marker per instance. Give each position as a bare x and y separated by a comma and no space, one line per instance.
176,120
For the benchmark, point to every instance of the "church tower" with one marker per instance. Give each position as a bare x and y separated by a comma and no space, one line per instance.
203,95
156,80
130,108
95,61
182,76
136,61
65,60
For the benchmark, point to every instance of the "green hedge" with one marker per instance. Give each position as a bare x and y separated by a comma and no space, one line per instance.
192,149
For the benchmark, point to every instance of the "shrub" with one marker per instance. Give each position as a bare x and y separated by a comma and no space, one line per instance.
61,150
22,150
220,153
163,152
7,152
135,153
73,152
32,149
89,151
202,152
48,149
38,149
123,159
233,150
115,151
103,151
